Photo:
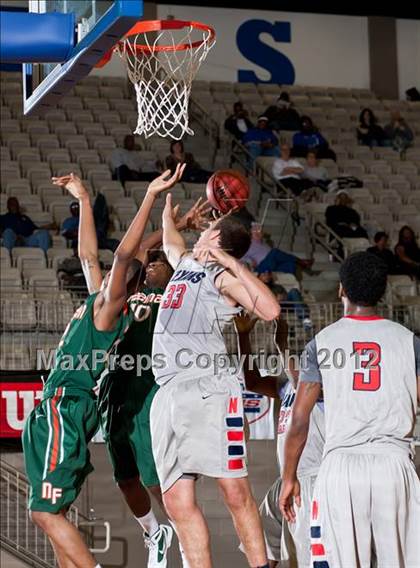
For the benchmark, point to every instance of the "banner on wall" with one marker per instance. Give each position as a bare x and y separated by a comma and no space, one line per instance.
20,392
282,47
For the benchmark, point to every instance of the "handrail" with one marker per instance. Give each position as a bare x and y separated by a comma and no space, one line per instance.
22,538
329,235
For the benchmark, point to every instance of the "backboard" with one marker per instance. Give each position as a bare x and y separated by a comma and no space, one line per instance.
99,25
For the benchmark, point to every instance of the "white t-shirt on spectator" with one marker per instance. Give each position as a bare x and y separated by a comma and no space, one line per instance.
279,165
131,159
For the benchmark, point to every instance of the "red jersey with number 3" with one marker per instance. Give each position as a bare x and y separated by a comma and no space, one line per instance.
368,368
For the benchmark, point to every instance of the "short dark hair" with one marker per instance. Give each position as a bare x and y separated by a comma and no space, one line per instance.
363,276
380,235
158,256
313,151
235,238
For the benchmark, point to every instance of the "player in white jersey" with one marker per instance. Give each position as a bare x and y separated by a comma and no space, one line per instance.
366,500
197,414
286,542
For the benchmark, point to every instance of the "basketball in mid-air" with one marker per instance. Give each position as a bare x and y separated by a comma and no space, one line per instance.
227,189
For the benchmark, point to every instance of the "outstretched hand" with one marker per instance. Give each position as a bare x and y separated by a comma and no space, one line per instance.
164,182
197,217
73,184
289,496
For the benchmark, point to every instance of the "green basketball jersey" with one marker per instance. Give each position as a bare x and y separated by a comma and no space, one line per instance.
138,340
81,356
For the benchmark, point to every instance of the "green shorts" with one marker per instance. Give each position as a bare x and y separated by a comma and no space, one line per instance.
124,408
55,445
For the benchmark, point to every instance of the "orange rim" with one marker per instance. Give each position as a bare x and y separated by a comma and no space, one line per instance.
159,25
156,26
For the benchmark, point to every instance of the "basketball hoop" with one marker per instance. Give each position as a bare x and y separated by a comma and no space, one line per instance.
162,58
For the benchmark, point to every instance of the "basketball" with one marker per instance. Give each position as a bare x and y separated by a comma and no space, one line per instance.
227,189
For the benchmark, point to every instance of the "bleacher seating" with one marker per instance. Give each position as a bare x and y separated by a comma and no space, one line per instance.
80,134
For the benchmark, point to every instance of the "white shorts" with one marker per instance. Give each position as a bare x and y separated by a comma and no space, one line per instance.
288,543
366,504
197,427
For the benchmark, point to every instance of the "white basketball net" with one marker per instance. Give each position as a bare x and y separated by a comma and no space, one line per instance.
162,79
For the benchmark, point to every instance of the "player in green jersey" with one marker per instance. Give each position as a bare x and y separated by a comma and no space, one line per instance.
58,431
127,391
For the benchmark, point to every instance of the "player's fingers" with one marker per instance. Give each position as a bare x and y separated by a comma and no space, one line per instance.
298,500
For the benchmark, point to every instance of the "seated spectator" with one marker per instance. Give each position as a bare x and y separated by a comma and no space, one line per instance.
261,140
282,115
193,172
369,133
238,123
70,225
128,165
317,174
381,249
263,258
292,302
289,172
398,134
309,138
343,219
19,230
407,252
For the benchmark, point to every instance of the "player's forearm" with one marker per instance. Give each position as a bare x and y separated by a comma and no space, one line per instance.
295,442
261,296
88,242
129,245
154,241
173,242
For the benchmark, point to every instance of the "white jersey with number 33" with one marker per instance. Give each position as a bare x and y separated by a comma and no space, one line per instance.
368,368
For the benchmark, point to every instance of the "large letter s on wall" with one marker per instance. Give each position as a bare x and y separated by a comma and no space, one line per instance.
251,47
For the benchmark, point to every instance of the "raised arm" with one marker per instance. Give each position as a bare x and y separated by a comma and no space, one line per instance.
173,242
87,240
194,218
242,287
116,291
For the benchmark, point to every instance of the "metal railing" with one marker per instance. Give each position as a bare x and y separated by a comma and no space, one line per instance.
208,124
21,537
18,535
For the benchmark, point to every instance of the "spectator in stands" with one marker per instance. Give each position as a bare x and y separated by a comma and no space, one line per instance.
282,115
263,258
309,138
261,140
289,172
18,229
128,165
369,133
70,225
407,252
193,172
398,134
238,122
292,302
317,174
381,249
343,219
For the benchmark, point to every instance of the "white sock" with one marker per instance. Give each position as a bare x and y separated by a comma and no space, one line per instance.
148,523
98,566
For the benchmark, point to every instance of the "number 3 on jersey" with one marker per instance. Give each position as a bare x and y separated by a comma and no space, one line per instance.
174,296
368,357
